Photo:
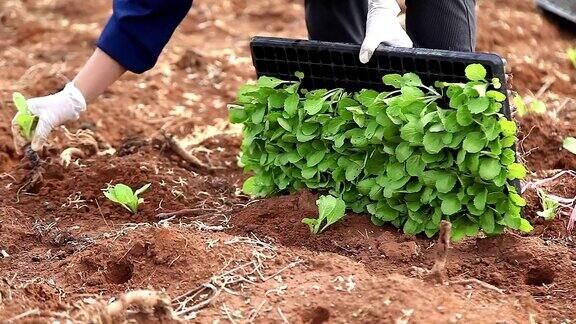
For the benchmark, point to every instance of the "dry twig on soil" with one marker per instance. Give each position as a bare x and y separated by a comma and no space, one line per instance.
478,282
246,273
438,272
186,211
188,158
146,301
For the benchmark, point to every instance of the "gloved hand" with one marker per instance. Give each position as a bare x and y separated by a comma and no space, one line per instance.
52,111
383,26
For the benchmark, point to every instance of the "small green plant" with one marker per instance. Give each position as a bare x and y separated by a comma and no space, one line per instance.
571,52
569,144
535,106
25,119
549,206
123,195
330,210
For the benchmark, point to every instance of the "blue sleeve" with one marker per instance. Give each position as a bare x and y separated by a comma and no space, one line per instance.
139,29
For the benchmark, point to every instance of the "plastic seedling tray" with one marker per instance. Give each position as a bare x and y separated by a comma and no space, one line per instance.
336,65
563,8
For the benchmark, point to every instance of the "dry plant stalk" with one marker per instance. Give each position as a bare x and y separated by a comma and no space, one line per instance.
438,272
178,150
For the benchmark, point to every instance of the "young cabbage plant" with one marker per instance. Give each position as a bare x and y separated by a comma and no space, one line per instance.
549,206
25,119
123,195
330,210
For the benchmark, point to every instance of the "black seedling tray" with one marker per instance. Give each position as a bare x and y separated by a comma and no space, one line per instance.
336,65
563,8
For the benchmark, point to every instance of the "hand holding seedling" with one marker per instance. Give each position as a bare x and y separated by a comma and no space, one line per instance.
37,117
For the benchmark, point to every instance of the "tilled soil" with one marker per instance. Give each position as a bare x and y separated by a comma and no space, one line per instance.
65,248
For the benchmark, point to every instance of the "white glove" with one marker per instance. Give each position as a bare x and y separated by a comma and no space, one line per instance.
383,26
52,111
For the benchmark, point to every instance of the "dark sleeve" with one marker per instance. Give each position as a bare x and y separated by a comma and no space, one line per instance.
139,29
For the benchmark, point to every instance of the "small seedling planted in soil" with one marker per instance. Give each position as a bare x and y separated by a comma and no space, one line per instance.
549,206
123,195
535,106
330,210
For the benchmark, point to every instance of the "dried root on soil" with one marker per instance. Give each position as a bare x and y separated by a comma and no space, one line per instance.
243,273
145,301
34,179
438,272
189,159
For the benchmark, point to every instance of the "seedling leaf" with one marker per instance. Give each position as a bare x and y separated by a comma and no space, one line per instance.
124,196
24,119
569,144
475,72
330,210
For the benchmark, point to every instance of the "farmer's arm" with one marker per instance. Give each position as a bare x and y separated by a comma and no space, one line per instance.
132,40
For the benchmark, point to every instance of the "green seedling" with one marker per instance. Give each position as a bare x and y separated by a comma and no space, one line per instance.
549,206
535,106
330,210
569,144
404,156
571,52
25,119
123,195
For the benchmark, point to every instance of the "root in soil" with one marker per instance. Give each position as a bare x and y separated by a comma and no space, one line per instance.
34,178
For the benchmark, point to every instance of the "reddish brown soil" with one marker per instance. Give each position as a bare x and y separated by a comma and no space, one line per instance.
68,246
541,142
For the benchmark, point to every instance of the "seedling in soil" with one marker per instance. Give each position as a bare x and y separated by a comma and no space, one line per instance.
535,106
549,206
25,119
27,123
330,211
123,195
405,156
571,52
569,144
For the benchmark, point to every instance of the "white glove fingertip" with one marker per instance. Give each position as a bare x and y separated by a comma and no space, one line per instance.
367,50
40,135
37,144
365,55
18,139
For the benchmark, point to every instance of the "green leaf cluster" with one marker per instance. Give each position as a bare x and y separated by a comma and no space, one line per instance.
411,156
24,119
124,196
